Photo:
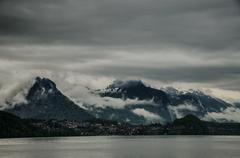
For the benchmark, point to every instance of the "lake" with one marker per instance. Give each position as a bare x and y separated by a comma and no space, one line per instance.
122,147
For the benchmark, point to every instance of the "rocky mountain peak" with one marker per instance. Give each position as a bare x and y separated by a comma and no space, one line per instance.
41,88
45,83
45,101
118,84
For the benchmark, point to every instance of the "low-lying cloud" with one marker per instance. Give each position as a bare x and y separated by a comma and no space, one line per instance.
230,114
148,115
180,110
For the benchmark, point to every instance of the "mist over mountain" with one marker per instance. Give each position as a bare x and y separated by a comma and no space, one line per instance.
168,103
45,101
131,101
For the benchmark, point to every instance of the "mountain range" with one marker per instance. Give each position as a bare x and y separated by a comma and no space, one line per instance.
145,104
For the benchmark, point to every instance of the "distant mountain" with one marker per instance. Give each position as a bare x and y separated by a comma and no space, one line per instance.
167,103
45,101
194,102
135,90
143,104
156,103
197,98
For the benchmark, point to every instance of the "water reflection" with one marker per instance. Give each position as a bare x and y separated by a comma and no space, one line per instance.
122,147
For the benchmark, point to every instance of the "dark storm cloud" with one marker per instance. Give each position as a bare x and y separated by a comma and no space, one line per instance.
229,75
194,41
202,24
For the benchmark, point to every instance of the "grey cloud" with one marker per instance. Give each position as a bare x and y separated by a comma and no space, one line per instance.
226,77
196,41
230,114
220,71
187,23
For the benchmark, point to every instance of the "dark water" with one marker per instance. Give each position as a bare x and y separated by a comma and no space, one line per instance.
122,147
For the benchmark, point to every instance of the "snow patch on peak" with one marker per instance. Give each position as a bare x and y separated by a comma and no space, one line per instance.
45,83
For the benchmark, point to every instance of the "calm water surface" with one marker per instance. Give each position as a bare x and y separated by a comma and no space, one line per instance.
122,147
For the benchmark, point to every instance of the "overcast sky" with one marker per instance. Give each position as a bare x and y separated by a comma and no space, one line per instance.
194,42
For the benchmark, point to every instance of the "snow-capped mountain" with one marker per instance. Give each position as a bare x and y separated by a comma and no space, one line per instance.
45,101
143,104
167,103
194,102
153,110
135,90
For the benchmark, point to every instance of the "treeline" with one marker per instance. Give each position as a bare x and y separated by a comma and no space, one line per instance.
12,126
